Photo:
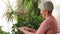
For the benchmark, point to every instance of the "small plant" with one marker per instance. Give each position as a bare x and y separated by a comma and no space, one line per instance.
31,17
2,32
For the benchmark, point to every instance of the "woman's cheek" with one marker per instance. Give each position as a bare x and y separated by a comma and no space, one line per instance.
43,14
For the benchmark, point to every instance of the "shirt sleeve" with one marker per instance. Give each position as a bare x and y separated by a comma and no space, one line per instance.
43,28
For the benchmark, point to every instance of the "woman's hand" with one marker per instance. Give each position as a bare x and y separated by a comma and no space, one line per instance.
27,29
23,28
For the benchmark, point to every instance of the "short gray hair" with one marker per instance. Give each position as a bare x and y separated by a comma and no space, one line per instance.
46,5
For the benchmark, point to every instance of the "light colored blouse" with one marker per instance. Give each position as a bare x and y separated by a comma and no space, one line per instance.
48,26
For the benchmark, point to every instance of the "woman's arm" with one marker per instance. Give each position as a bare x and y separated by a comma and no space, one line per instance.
41,30
29,29
26,32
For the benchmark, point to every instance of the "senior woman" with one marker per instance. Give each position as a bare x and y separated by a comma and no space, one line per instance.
49,25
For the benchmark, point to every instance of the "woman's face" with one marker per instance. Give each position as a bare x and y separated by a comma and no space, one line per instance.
44,13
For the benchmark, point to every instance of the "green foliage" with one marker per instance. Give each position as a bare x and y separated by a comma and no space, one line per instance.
33,19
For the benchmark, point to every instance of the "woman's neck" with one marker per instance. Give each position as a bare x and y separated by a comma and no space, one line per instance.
48,15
